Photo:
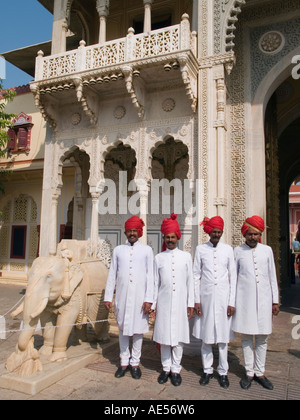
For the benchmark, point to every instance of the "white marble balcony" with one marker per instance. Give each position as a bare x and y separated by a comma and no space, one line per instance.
131,49
134,65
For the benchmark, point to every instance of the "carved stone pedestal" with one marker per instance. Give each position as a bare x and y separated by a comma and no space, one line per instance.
78,358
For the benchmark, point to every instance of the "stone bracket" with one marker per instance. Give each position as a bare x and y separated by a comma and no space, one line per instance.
190,79
48,112
87,109
136,91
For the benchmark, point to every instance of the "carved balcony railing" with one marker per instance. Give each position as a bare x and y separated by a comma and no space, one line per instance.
122,59
173,39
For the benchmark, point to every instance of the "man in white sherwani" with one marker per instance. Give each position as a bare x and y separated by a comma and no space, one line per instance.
131,278
257,300
173,301
215,289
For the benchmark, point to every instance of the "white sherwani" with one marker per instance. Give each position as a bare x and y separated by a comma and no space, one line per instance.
173,294
131,275
257,290
215,288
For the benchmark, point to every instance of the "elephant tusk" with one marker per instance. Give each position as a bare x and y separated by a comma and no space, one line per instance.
19,310
40,309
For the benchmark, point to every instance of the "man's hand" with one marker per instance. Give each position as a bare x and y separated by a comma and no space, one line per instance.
198,309
108,305
190,313
275,309
152,314
147,308
230,311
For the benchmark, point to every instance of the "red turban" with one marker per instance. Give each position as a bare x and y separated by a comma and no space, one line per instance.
214,223
135,223
254,222
170,226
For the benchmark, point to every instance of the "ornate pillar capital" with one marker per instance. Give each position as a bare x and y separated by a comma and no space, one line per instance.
103,7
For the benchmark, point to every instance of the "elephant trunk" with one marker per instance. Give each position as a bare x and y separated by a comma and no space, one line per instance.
25,337
30,322
25,360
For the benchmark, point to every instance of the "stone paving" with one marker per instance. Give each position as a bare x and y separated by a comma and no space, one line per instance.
97,382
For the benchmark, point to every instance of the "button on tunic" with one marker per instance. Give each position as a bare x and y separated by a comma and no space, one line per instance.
257,289
131,275
173,294
215,288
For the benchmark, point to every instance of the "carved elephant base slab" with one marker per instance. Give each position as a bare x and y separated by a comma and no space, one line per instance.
78,357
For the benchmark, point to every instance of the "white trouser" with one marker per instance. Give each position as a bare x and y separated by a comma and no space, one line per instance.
255,359
171,358
125,356
208,359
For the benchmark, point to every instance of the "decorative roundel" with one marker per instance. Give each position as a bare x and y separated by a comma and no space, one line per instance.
76,118
168,105
271,42
119,112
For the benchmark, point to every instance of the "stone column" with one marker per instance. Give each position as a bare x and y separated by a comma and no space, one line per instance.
60,28
147,16
143,189
52,186
53,223
220,126
206,142
95,217
103,12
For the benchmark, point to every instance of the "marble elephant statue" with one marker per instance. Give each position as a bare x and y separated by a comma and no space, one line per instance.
60,293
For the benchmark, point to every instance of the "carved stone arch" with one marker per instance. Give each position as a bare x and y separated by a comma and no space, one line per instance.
120,156
61,160
67,154
80,160
69,151
272,168
272,80
125,141
170,152
159,142
231,9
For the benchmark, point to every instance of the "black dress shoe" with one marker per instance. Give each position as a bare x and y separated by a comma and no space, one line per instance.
223,381
121,372
136,372
206,378
163,377
176,379
263,381
246,382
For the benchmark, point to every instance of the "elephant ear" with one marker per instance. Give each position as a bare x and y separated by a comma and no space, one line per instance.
76,278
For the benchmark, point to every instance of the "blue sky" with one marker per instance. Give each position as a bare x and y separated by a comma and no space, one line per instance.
23,23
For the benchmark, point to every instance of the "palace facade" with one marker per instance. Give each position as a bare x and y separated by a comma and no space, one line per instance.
203,94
